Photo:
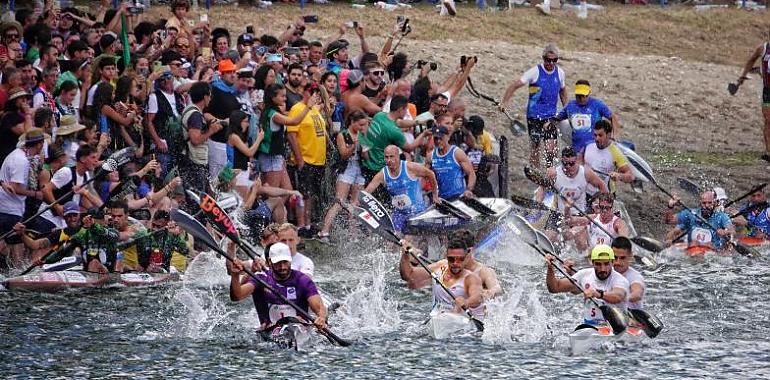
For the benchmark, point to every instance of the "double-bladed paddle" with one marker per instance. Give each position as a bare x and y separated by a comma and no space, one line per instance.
192,226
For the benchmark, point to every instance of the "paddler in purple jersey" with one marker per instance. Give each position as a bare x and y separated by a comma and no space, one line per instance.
295,285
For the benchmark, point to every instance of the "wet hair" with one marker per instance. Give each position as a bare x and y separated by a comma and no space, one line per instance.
120,203
459,240
568,152
198,91
603,197
604,125
621,242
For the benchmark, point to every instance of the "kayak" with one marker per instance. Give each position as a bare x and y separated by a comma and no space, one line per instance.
753,241
288,333
635,162
443,325
586,337
52,281
459,214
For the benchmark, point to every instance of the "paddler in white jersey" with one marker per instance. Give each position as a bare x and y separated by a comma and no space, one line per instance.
489,283
287,234
571,180
624,256
601,283
606,159
464,285
604,217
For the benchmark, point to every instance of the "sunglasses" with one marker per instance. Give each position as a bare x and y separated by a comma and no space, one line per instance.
550,60
14,36
569,163
182,46
603,207
455,259
379,73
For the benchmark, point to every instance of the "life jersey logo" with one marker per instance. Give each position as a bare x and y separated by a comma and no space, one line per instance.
373,206
209,205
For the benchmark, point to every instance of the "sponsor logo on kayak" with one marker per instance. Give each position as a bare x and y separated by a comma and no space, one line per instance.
369,219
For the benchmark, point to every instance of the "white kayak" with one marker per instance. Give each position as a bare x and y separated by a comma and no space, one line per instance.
52,281
443,325
586,338
436,221
289,333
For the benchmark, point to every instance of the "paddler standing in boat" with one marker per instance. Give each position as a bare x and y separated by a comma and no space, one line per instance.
465,286
295,285
603,156
601,283
489,283
451,165
701,236
402,180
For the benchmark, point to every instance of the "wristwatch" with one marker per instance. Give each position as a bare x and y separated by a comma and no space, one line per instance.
601,293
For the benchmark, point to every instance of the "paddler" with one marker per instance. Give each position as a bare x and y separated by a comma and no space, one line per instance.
699,234
604,156
293,284
118,211
603,216
288,234
465,286
624,256
402,180
601,283
490,285
97,244
451,166
163,248
755,216
55,238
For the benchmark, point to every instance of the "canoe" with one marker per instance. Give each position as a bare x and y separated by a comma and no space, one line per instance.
53,281
289,333
586,338
443,325
753,241
700,251
435,221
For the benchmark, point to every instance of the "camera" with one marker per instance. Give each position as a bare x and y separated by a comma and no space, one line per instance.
135,10
464,59
352,24
421,63
404,24
250,30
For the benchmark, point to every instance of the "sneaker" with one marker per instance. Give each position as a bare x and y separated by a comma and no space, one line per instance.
766,157
305,233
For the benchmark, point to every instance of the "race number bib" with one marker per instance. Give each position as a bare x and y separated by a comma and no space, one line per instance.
701,236
277,312
581,121
475,157
401,202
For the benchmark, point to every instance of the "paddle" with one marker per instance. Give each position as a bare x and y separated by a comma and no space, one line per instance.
477,206
650,324
529,203
192,226
539,178
739,247
689,186
218,218
447,208
752,191
124,188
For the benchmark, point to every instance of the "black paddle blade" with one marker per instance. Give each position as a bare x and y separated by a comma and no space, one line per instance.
479,324
651,325
649,243
732,88
193,227
529,203
448,208
745,250
477,206
369,203
371,222
537,177
615,318
689,186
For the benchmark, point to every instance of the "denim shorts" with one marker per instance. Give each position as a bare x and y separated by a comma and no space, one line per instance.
271,163
352,174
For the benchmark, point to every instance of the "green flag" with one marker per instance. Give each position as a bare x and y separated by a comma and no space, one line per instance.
124,41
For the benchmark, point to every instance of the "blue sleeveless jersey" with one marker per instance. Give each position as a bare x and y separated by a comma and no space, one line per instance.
406,195
449,174
544,94
758,222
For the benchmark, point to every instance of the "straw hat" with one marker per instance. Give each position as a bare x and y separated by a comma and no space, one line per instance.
17,92
69,125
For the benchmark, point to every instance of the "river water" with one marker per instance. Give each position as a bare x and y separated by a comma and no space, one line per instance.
714,310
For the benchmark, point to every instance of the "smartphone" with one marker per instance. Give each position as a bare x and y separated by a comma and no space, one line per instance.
205,52
135,10
204,17
310,19
291,51
250,29
352,24
260,50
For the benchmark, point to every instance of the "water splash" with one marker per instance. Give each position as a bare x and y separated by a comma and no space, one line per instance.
518,316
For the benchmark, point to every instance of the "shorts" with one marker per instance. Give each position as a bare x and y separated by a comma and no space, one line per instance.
7,221
537,132
243,179
217,157
271,163
310,180
766,97
352,174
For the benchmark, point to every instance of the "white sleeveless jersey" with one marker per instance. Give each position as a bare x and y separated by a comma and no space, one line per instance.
443,302
601,160
588,280
633,276
572,188
596,236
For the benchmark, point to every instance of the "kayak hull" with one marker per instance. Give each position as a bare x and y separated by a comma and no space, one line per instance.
290,336
432,221
447,324
588,338
55,281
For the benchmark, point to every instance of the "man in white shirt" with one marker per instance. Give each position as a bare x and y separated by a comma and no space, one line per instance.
287,234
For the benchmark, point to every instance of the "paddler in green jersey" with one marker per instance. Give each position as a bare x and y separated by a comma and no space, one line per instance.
97,244
164,248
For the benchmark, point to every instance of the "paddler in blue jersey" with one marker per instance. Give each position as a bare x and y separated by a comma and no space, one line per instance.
713,235
451,165
402,180
602,283
755,216
296,286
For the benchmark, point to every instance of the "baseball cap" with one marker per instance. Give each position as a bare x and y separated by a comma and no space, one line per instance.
439,131
602,252
279,252
71,207
355,76
582,89
335,46
226,66
246,39
107,39
720,194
